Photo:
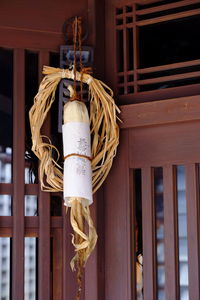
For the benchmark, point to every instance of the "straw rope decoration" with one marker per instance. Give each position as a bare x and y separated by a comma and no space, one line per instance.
104,141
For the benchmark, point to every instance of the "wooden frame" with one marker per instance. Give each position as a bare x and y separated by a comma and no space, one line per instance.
153,134
123,16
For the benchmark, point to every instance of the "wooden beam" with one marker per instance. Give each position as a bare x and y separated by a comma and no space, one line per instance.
18,176
192,198
160,112
44,283
165,7
148,235
170,17
170,234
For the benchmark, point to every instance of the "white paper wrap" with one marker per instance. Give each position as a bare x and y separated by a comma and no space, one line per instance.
77,181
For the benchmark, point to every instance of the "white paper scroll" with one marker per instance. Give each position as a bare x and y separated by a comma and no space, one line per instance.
77,181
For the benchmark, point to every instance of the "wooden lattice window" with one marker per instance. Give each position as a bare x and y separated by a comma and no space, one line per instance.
156,49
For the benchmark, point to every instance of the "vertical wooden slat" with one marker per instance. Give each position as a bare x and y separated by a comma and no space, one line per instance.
148,235
170,234
65,241
18,177
125,51
117,223
135,49
192,198
44,218
69,277
57,264
91,274
133,234
64,238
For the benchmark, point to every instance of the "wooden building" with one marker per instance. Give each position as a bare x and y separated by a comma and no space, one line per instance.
148,51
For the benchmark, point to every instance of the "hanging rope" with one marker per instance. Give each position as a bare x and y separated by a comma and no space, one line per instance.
75,28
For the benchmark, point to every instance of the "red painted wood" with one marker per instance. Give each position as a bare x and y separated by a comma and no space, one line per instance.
31,189
165,7
117,227
31,225
65,238
169,78
6,188
133,234
173,66
57,264
42,32
170,17
44,284
170,234
156,95
172,143
100,216
46,15
69,277
91,270
192,198
148,235
18,178
160,112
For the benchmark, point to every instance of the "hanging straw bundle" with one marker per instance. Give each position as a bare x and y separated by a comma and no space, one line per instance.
89,147
104,133
103,126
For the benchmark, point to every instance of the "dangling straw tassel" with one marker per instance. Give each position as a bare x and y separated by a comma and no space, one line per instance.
75,112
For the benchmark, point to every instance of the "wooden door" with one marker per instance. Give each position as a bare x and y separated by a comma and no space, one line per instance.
160,144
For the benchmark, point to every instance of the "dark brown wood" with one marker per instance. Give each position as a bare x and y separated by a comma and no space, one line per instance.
110,39
91,273
69,277
170,17
160,112
163,143
6,222
6,189
144,2
169,78
65,238
166,7
117,221
100,216
57,264
18,177
31,189
170,234
148,235
157,95
133,234
125,91
41,25
13,37
31,225
177,65
32,32
135,52
192,198
44,285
